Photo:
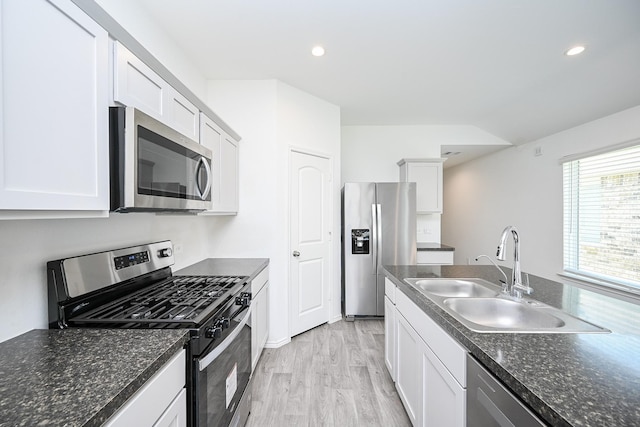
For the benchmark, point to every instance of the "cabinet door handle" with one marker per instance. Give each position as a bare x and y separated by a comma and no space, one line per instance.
296,254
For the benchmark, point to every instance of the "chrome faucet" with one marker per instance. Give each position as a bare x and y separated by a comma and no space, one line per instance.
517,287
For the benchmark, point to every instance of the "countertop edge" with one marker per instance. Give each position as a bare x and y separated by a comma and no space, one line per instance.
434,247
136,384
250,267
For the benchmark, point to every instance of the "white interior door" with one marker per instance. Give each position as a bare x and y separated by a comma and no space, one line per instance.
310,234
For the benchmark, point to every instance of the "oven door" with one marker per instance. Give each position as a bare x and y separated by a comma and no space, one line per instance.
221,376
156,168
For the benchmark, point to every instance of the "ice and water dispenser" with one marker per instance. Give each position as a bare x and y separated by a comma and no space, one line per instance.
360,241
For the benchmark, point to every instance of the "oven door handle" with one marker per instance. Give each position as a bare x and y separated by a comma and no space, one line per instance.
206,361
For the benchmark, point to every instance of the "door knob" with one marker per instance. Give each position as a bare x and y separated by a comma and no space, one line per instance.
296,254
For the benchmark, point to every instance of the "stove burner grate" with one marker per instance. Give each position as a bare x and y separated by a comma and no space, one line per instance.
178,299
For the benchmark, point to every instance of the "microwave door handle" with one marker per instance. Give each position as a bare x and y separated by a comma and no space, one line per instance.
203,194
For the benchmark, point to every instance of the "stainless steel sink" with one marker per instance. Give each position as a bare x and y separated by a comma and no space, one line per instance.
456,287
480,306
502,313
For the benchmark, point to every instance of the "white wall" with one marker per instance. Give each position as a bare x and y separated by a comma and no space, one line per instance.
371,153
29,244
515,187
271,117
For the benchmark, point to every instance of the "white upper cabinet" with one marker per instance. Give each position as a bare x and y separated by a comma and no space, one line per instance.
225,166
54,98
427,174
137,85
183,116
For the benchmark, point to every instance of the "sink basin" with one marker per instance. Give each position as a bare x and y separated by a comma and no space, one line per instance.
480,306
503,313
463,288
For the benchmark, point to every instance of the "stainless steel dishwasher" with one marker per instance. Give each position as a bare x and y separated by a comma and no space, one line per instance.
490,404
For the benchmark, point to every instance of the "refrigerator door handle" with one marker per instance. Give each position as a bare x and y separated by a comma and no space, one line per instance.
374,239
379,232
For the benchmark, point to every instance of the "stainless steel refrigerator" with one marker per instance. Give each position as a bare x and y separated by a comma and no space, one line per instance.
378,228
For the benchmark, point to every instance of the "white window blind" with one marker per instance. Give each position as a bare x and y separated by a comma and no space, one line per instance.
602,217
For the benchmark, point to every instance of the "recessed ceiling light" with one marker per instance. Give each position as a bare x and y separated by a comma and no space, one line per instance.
576,50
317,51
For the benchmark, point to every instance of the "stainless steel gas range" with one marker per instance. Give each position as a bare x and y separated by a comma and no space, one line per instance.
134,288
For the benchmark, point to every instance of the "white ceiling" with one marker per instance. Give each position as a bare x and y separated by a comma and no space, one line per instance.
495,64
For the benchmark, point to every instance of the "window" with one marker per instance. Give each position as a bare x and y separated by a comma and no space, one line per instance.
602,217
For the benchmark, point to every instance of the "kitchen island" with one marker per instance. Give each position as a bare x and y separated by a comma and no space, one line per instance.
566,379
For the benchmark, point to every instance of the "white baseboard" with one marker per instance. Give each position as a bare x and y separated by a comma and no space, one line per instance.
277,344
335,319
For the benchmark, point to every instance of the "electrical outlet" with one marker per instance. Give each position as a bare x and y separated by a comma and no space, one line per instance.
538,151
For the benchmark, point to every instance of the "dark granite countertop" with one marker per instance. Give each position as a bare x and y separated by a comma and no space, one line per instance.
226,266
78,377
81,377
567,379
428,246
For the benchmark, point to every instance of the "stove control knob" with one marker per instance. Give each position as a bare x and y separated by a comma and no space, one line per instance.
164,253
244,299
224,323
213,332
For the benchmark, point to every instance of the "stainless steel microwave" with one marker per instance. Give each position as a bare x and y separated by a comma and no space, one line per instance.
155,168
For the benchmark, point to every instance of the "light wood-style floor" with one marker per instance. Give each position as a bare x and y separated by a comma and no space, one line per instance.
333,375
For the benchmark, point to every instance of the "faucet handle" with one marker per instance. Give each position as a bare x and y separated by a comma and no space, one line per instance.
524,287
505,287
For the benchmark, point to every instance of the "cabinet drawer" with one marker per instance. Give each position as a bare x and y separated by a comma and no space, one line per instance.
259,281
435,257
390,290
448,350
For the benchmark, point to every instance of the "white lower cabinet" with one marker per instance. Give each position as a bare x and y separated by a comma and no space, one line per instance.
443,399
390,345
176,413
408,376
160,402
260,315
430,368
